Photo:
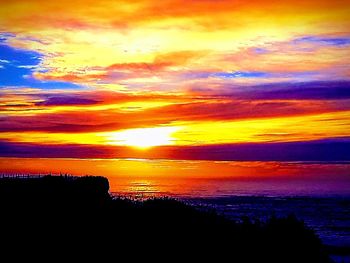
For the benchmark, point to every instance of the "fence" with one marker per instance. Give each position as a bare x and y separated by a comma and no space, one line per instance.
32,176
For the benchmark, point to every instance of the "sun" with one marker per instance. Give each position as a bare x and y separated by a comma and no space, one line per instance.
144,138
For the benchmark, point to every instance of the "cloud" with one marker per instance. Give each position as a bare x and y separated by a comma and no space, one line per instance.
241,74
66,101
174,62
80,13
331,149
164,63
98,111
89,120
300,59
27,66
324,90
140,41
4,61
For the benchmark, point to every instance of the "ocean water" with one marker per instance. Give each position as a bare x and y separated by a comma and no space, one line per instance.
323,205
329,217
315,192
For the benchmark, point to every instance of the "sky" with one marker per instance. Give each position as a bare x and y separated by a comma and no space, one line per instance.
174,79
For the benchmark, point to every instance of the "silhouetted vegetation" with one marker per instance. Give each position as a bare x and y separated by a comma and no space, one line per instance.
64,212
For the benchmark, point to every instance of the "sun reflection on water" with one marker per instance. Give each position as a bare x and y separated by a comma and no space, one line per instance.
141,189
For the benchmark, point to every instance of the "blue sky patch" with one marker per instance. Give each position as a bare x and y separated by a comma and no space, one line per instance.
328,41
17,66
241,74
259,50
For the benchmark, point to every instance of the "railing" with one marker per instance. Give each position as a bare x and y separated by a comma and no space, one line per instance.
32,176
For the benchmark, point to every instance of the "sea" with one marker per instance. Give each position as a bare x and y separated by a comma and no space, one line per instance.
316,192
323,206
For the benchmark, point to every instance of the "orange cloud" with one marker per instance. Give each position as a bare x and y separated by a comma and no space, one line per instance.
83,41
194,64
166,62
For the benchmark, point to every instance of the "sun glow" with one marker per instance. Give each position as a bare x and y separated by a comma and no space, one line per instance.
144,138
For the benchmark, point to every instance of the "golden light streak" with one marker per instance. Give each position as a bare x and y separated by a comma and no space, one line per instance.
299,128
143,138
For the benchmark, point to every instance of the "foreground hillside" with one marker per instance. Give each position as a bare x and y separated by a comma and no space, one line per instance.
65,212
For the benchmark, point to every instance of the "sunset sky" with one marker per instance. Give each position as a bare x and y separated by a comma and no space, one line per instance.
221,80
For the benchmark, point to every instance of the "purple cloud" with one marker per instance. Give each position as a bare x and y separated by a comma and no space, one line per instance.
320,90
67,100
327,150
